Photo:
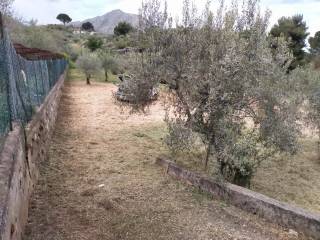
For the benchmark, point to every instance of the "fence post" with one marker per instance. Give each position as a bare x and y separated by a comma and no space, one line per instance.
1,26
6,57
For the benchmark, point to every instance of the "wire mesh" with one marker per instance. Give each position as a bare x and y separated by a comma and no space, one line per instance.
25,80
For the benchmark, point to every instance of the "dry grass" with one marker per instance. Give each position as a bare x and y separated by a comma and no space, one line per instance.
101,182
293,179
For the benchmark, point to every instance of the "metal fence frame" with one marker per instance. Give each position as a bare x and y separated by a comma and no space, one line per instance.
25,80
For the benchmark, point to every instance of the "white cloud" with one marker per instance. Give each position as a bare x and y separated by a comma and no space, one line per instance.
47,10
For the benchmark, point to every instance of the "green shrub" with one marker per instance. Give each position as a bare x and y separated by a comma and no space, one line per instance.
122,29
121,42
94,43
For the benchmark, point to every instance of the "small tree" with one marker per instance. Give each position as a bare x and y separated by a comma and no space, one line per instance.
122,29
64,18
87,26
94,43
89,63
108,62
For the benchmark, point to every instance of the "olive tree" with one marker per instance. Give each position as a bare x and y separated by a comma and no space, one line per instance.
225,83
108,62
89,63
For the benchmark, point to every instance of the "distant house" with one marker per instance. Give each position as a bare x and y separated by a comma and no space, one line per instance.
77,30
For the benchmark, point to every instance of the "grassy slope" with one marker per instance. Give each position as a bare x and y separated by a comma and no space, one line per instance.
294,179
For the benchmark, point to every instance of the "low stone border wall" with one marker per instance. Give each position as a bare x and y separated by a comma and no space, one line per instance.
272,210
22,151
40,129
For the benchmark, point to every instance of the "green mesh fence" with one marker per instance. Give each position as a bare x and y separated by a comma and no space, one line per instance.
24,82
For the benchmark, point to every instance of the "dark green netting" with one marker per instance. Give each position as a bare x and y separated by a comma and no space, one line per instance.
24,84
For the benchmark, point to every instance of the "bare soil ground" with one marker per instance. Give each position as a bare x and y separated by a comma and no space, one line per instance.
100,181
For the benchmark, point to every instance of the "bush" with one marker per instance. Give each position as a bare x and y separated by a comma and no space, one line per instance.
73,52
94,43
311,87
123,28
39,37
316,63
122,42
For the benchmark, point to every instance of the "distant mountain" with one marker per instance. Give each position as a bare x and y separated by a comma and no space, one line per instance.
107,22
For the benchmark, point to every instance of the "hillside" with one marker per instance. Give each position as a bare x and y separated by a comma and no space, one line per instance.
107,22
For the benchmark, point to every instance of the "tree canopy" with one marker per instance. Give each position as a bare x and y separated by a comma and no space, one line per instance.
315,44
87,26
89,63
294,30
6,6
64,18
108,62
122,29
226,88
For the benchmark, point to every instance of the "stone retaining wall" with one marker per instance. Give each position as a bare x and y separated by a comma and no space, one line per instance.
22,151
272,210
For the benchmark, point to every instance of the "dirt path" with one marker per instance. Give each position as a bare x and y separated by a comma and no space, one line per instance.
101,183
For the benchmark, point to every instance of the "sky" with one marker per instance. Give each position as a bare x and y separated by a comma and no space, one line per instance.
45,11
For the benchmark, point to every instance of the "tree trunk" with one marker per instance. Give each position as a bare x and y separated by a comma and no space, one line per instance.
106,75
209,150
319,142
88,80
